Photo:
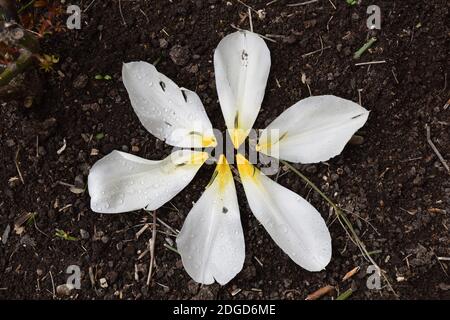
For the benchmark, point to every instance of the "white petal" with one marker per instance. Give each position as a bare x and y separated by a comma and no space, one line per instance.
241,65
314,129
211,242
293,223
122,182
169,112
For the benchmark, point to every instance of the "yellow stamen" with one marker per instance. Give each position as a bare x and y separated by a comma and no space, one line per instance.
246,169
198,158
238,136
223,172
208,141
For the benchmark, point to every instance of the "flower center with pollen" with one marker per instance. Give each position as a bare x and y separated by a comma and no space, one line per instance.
208,141
238,136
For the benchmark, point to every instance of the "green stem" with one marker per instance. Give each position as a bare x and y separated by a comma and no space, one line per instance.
311,184
345,295
14,68
363,49
171,248
346,224
23,8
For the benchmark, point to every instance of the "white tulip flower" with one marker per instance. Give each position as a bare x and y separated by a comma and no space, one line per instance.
211,242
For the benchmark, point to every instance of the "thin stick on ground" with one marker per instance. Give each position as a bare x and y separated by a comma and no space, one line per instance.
16,161
89,5
436,151
121,13
302,3
395,76
346,224
152,249
174,231
53,284
37,146
369,63
264,37
316,51
334,6
448,102
321,45
359,96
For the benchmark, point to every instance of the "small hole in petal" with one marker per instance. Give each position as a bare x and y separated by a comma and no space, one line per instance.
163,86
359,115
184,95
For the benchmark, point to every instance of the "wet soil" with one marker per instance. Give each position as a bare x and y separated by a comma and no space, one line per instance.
393,185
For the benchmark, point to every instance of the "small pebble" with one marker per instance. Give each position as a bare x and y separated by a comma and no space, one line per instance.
84,234
64,290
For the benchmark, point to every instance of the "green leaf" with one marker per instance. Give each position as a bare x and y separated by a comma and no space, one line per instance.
345,295
99,136
64,235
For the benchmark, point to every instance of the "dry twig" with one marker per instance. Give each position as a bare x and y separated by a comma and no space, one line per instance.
436,151
152,249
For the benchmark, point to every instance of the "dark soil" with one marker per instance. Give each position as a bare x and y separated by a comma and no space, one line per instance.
393,183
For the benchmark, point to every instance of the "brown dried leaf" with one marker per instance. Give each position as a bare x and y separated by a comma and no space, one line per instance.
351,273
40,4
436,210
18,224
320,293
